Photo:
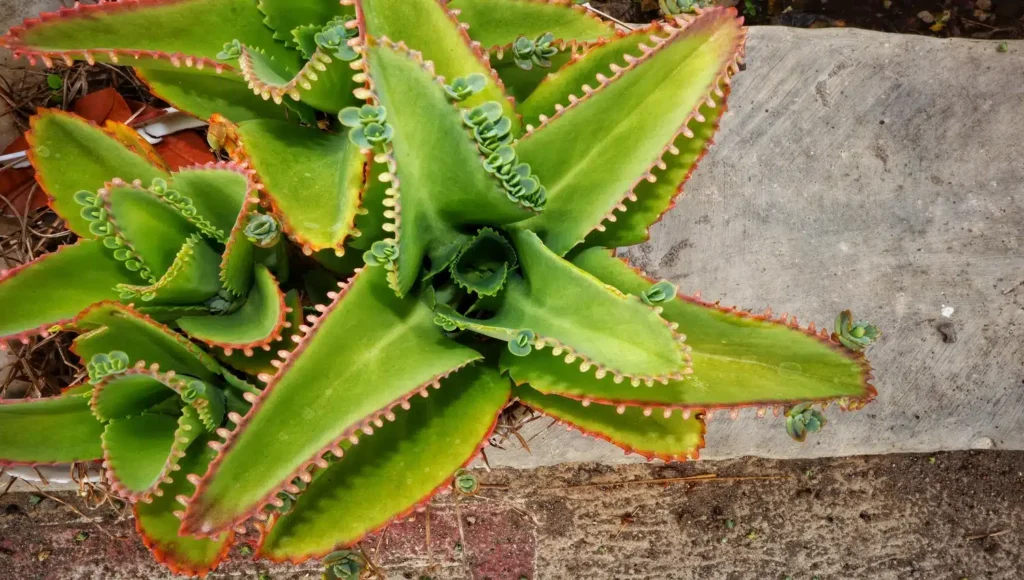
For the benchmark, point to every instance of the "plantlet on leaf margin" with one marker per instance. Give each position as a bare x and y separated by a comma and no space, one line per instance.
244,365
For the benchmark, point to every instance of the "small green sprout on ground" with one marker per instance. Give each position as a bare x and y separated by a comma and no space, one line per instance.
1003,47
343,565
854,335
81,536
466,483
34,499
749,8
803,419
730,524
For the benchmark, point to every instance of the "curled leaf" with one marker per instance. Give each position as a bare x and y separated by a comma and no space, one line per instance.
526,53
803,419
854,335
105,364
659,293
263,230
464,87
522,344
465,482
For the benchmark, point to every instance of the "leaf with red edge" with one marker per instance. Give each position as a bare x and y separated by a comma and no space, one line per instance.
71,155
497,23
55,287
428,27
259,361
739,359
135,143
203,94
127,394
55,430
318,205
158,523
137,453
109,326
257,323
369,352
166,33
652,435
389,473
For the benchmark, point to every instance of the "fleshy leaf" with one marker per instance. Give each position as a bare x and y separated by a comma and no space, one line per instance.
157,522
55,430
217,192
237,262
497,23
137,453
647,103
580,317
319,204
739,358
260,361
484,263
256,323
153,230
205,93
320,397
167,31
59,285
439,181
71,154
412,458
654,436
192,278
126,395
568,78
109,326
284,16
427,26
324,82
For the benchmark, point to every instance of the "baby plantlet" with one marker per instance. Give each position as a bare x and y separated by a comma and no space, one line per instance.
416,227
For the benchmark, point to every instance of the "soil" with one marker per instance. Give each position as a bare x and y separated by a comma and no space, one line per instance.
992,19
948,516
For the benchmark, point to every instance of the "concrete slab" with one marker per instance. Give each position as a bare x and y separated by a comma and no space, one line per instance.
870,171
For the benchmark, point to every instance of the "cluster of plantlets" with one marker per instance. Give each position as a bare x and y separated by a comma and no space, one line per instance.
416,226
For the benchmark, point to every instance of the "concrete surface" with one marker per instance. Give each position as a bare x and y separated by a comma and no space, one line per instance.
876,172
949,517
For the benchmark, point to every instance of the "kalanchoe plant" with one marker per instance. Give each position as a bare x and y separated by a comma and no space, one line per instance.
320,333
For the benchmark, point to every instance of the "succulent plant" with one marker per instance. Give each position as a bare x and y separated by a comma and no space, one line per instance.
411,231
803,419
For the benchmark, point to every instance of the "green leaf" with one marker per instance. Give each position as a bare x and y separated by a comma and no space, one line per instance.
55,430
318,205
443,183
260,360
283,16
126,395
237,262
204,93
428,27
497,23
569,78
58,286
158,525
671,438
739,359
572,312
484,263
257,322
153,229
216,192
137,452
197,28
109,326
329,387
324,82
192,278
578,153
71,154
520,83
412,458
